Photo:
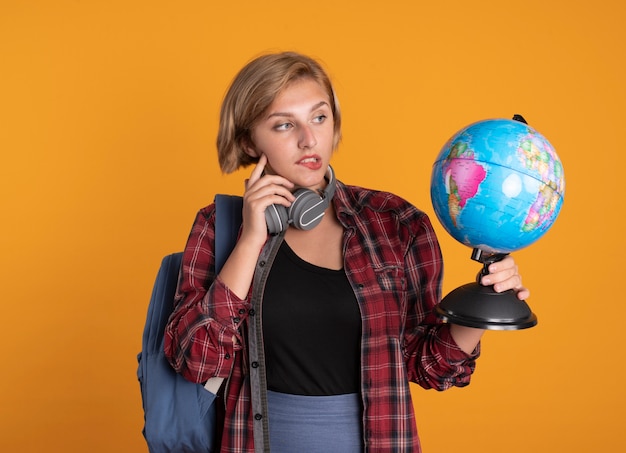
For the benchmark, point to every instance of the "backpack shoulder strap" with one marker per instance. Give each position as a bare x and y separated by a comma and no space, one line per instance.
227,222
228,219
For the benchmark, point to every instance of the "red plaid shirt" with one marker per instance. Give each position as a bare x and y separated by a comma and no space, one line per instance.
394,264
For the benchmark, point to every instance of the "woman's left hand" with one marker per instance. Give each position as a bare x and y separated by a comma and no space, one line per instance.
504,275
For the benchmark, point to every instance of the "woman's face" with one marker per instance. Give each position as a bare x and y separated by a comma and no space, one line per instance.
296,134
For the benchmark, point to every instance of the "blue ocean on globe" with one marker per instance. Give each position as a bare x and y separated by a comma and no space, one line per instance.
497,185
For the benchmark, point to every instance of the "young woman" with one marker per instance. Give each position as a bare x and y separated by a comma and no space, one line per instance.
319,325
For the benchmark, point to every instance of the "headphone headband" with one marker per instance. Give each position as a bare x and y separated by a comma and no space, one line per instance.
329,191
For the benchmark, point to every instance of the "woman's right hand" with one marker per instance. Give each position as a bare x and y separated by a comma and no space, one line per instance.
261,191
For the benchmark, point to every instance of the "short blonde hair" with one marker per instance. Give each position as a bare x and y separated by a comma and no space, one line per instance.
252,92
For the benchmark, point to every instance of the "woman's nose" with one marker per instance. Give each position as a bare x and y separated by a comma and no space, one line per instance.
307,138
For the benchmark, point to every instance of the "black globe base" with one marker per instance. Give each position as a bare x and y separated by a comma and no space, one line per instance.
478,306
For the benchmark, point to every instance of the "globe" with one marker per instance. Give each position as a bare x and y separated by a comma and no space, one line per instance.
497,185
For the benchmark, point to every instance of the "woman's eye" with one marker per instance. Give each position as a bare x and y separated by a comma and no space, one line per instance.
283,127
319,118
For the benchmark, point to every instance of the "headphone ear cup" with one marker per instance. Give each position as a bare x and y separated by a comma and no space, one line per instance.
307,210
277,218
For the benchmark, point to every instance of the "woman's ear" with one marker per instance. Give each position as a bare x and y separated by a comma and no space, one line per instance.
249,148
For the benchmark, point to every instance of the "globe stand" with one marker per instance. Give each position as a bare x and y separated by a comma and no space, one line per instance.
481,307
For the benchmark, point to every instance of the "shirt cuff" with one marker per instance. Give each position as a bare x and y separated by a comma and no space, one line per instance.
227,308
451,350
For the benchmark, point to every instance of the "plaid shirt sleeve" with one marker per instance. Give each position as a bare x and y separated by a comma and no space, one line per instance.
203,334
433,358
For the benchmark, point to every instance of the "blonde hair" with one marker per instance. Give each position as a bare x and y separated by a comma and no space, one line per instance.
252,92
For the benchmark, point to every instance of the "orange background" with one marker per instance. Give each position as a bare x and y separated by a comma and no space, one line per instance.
108,114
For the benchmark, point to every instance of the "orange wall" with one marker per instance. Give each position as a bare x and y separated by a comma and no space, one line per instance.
108,115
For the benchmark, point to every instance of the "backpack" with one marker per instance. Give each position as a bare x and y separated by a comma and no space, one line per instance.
181,416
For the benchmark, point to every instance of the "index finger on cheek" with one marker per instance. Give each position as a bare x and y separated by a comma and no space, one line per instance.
258,170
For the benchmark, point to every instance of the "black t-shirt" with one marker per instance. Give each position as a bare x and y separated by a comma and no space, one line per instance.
311,328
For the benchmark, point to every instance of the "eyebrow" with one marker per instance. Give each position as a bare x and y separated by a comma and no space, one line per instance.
315,107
